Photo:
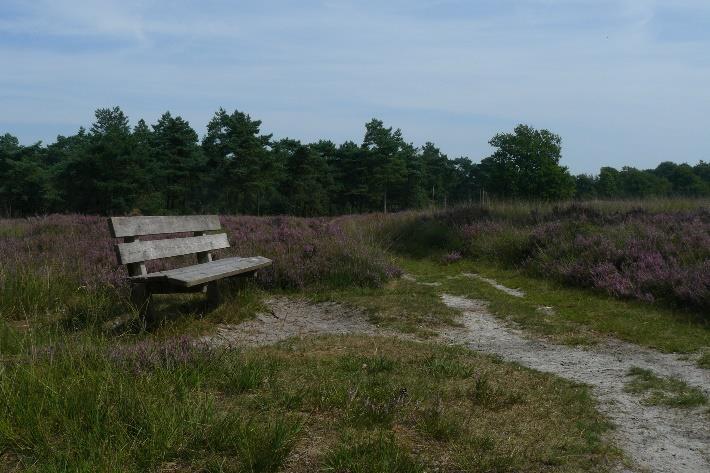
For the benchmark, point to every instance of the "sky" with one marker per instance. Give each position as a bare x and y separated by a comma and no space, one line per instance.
623,82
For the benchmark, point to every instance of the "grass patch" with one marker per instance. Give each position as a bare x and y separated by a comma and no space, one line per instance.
377,452
402,305
94,407
644,252
46,294
578,316
437,423
333,403
176,314
704,360
657,390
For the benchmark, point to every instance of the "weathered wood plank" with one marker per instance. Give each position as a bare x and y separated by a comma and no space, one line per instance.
134,269
166,287
207,272
155,249
156,225
203,256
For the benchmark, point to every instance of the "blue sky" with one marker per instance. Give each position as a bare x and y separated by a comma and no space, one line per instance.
624,82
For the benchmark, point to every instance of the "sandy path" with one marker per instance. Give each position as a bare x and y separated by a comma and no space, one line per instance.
657,439
294,318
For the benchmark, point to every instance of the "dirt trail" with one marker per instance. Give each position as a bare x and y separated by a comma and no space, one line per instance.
496,284
294,318
657,438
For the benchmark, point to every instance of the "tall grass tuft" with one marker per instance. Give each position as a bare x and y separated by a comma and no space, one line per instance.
376,452
94,407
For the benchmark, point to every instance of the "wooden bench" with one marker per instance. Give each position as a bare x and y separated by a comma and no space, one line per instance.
201,277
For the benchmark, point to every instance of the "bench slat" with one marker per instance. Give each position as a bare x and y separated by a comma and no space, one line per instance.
138,251
206,272
137,226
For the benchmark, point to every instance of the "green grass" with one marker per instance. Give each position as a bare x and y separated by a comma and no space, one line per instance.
332,403
401,304
176,314
43,295
578,316
704,359
95,407
582,315
77,397
49,306
377,452
658,390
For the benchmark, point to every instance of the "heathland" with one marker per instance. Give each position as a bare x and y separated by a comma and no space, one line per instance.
80,392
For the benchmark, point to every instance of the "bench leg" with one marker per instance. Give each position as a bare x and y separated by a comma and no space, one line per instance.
140,298
213,295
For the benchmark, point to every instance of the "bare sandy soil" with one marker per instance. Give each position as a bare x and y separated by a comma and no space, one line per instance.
496,284
294,318
657,439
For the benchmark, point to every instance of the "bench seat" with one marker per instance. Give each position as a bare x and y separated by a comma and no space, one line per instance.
204,276
203,273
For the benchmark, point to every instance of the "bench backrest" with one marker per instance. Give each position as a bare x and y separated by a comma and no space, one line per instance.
133,252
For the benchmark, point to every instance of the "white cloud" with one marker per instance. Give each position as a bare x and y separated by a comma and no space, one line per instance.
582,68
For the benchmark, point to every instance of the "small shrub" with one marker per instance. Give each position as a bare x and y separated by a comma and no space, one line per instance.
425,236
480,393
651,253
451,257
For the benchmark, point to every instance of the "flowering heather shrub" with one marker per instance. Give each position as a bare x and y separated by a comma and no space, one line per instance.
658,251
647,256
309,251
48,262
452,257
61,262
70,245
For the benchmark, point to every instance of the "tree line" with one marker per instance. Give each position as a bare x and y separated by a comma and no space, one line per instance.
165,168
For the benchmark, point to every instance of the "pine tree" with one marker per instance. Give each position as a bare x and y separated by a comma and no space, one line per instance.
179,163
308,181
386,156
238,161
